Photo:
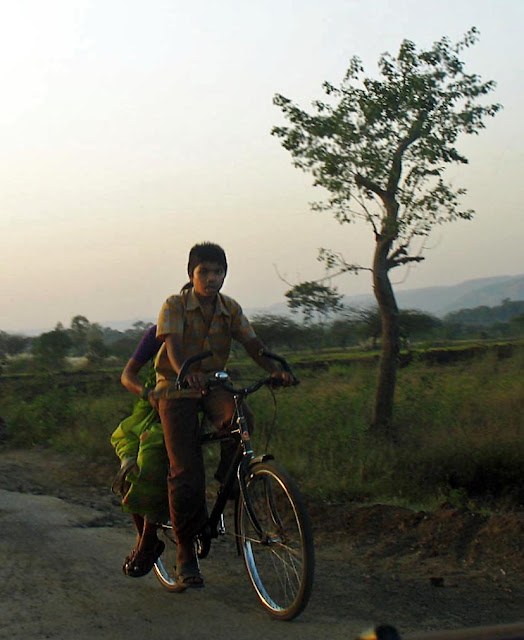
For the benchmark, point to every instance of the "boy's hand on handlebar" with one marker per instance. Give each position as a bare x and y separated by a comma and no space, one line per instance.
197,380
283,378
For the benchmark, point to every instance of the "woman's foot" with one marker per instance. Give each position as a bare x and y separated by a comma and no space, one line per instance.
142,559
129,558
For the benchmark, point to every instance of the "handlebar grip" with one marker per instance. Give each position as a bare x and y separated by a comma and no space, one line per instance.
187,363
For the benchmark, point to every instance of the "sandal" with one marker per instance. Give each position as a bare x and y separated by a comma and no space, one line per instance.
140,562
129,558
189,576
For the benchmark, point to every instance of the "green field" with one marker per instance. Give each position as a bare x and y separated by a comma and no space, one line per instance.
460,426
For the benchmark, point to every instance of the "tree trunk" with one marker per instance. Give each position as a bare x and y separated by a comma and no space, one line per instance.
382,423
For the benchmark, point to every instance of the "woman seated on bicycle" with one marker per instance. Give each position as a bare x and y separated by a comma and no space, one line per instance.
139,443
197,320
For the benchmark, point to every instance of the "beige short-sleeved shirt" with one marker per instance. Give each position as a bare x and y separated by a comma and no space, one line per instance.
181,315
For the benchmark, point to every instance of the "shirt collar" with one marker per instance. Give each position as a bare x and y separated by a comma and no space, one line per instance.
193,303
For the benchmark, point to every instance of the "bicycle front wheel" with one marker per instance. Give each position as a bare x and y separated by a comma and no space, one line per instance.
279,556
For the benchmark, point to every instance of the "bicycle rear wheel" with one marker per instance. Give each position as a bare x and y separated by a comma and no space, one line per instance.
165,566
280,558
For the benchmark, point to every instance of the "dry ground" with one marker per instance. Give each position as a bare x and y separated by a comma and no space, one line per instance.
419,571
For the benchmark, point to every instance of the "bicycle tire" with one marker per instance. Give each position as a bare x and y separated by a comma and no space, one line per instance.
280,562
165,566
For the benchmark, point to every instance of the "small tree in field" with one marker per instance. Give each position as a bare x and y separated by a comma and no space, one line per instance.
314,298
277,331
52,347
380,146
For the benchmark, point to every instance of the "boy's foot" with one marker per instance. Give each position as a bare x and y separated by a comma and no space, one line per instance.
189,575
187,569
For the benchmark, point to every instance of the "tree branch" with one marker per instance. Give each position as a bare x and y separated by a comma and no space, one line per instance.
367,215
396,163
405,260
366,183
400,257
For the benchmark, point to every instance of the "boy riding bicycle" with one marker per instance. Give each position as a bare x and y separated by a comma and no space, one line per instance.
197,320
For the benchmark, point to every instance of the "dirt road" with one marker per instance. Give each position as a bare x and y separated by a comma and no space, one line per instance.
61,579
60,575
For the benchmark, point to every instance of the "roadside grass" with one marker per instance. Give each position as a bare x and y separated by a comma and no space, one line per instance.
460,434
460,431
67,420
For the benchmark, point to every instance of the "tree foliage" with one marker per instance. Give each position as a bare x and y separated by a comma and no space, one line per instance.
412,323
12,344
52,347
314,298
484,315
391,139
277,331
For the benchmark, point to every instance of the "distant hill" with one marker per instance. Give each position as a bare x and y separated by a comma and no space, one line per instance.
466,295
486,316
437,300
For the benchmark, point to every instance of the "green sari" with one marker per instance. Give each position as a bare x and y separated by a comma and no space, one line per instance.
140,438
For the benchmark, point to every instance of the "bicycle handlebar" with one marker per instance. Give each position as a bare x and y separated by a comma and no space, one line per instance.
223,381
187,363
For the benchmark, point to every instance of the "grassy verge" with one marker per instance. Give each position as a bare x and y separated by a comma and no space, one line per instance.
461,430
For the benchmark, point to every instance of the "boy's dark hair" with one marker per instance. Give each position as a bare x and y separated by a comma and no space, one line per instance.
206,252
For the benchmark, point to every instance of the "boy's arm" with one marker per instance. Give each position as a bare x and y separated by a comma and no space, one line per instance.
254,347
174,350
243,332
175,353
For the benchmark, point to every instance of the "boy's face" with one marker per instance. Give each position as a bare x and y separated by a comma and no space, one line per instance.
207,279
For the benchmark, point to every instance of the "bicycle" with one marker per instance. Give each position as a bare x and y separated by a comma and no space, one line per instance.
271,525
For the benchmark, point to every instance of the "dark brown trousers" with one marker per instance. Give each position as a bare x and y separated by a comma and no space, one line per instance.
186,477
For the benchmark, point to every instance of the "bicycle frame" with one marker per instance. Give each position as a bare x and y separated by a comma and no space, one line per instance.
244,456
240,463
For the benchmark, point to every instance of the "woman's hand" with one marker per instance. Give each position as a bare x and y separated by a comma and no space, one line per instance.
152,398
120,483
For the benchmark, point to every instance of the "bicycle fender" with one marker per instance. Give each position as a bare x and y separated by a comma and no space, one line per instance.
261,458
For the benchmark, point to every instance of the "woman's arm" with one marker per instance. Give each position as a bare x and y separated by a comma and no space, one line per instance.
145,351
130,379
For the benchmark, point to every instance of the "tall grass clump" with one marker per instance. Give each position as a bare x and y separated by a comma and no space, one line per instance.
461,431
66,420
34,421
320,433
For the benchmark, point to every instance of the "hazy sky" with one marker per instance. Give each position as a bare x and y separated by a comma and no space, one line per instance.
133,129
